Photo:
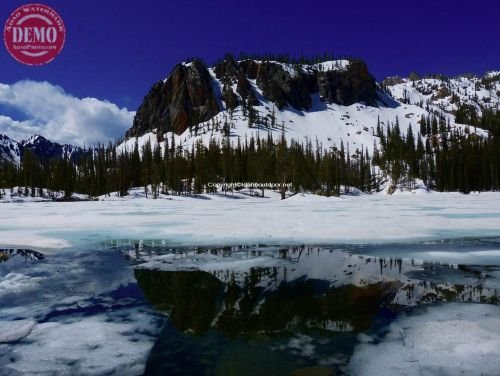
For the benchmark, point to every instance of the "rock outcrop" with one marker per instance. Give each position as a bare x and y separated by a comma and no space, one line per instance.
190,94
346,87
186,98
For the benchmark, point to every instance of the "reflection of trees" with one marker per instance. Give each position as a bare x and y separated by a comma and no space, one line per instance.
196,300
347,296
390,263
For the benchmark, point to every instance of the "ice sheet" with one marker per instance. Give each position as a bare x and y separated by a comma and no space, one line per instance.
74,313
447,340
115,343
11,331
219,220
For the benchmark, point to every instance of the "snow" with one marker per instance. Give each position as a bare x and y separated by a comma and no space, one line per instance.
324,125
15,283
327,125
67,315
97,345
58,317
447,340
12,150
26,194
240,219
468,89
11,331
308,197
332,65
9,149
493,74
419,188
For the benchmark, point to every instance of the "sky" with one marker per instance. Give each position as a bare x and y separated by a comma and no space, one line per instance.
116,49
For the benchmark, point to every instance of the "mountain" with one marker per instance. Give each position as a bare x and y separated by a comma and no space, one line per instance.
448,93
194,93
9,150
326,103
45,149
12,151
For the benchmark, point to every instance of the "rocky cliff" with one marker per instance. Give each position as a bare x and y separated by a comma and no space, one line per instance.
184,99
194,93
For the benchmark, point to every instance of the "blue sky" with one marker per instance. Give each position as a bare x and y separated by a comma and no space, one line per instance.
116,49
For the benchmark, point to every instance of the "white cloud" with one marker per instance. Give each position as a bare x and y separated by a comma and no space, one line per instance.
45,109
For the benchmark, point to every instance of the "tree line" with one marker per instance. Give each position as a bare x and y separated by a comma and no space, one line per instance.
168,168
444,158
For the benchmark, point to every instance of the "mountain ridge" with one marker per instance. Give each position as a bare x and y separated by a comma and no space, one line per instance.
318,102
194,93
12,150
251,102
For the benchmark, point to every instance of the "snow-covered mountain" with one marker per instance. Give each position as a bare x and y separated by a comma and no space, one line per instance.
447,93
9,149
327,103
44,148
12,151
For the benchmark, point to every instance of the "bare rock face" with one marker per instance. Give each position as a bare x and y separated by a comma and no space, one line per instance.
185,99
349,86
189,95
230,72
229,97
278,85
281,88
245,90
227,70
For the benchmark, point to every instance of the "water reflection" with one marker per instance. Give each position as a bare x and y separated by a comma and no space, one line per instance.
26,254
288,310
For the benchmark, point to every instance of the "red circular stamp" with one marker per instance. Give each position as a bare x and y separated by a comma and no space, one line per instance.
34,34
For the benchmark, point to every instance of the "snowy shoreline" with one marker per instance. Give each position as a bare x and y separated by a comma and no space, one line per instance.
239,219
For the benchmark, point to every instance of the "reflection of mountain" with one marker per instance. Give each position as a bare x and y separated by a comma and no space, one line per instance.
27,254
293,289
189,297
197,300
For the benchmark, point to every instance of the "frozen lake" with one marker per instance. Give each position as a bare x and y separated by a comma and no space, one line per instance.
369,285
239,219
